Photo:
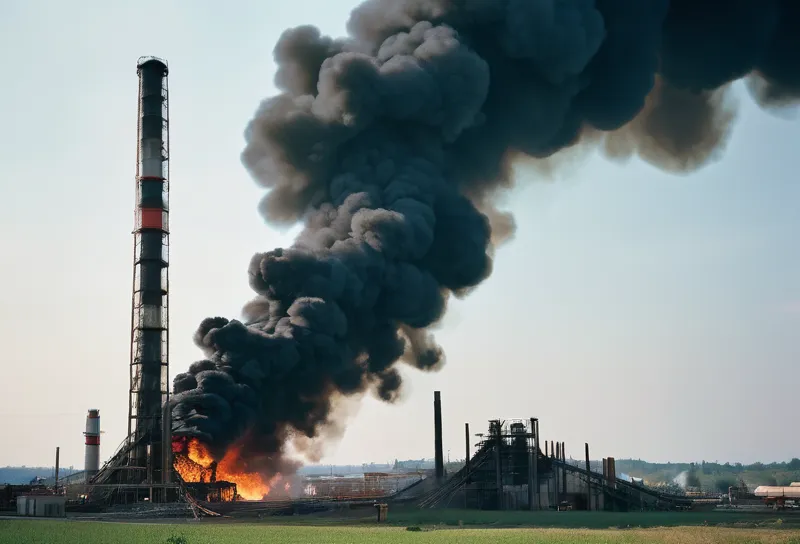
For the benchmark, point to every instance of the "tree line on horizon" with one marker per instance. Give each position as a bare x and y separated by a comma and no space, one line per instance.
712,475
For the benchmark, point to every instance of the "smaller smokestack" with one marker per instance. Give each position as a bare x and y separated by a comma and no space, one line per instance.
531,466
536,452
612,472
588,463
91,461
564,470
437,430
55,486
466,437
588,480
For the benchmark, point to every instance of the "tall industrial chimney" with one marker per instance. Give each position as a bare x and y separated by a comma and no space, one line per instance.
149,367
91,459
437,430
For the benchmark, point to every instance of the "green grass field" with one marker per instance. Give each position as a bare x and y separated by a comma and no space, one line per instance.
549,519
69,532
435,527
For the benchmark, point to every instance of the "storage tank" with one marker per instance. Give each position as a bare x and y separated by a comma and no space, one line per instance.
777,491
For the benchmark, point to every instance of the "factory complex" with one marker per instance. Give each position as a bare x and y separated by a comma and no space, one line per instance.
508,464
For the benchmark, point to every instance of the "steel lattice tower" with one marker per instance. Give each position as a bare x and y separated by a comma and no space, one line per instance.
149,363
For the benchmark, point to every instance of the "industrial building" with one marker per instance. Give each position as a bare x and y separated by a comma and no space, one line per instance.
50,506
513,468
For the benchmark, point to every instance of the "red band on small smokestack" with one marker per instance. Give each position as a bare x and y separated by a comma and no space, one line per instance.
92,440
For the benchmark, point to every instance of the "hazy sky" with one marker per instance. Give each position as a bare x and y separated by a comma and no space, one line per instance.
650,315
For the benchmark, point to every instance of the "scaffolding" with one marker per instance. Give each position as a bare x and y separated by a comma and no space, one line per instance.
143,463
509,476
511,471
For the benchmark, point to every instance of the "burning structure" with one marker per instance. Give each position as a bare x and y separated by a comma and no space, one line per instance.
390,145
194,463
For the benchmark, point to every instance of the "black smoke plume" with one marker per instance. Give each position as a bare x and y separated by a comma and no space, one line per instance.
390,145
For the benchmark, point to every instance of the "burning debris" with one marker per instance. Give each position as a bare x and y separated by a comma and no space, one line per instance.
389,146
194,463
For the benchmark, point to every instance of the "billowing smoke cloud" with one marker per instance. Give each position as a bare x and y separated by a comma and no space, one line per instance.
389,146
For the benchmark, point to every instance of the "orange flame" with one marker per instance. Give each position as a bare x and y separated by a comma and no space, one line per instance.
199,453
194,463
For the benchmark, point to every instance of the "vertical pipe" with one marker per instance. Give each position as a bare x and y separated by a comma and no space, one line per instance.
55,485
150,462
531,455
557,473
498,467
588,463
166,425
554,488
536,453
564,470
612,472
588,480
546,454
437,438
604,487
466,438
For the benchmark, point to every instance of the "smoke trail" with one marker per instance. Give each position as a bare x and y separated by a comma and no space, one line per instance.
389,147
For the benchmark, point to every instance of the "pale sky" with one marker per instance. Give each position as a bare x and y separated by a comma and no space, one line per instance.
651,315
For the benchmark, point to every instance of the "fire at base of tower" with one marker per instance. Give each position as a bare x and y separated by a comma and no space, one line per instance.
194,463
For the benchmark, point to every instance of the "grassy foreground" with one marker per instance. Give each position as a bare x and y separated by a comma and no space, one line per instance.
355,526
69,532
404,517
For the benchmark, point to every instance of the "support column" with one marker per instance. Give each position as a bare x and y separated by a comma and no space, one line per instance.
536,453
55,485
437,430
466,441
588,480
557,473
498,468
531,466
564,471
